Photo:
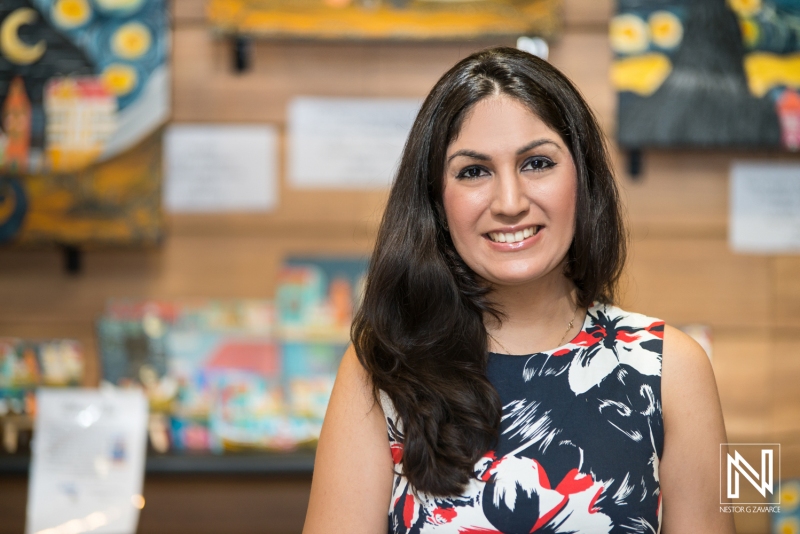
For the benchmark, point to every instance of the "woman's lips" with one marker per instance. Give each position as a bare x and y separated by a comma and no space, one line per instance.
513,237
517,240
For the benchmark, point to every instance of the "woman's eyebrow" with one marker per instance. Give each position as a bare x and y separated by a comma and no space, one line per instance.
534,144
483,157
468,153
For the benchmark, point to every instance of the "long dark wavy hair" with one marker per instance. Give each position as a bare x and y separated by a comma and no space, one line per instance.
419,332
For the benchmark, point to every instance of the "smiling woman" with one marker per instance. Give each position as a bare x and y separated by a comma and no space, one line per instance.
510,206
492,385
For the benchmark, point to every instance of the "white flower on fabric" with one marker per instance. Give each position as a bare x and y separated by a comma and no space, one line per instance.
620,344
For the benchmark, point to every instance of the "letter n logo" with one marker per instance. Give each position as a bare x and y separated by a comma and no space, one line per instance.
755,462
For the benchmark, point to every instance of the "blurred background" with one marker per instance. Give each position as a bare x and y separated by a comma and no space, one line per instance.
112,264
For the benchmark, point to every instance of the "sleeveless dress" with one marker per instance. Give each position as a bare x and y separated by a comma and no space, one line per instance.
580,441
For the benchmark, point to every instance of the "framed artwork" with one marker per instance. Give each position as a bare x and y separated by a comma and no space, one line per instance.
707,73
384,19
84,92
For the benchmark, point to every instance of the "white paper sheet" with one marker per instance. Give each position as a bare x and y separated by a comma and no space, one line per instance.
347,143
220,168
765,207
88,461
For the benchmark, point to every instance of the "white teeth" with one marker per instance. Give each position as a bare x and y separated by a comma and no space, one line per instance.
515,237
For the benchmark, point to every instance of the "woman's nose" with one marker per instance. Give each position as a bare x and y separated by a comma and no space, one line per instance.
509,198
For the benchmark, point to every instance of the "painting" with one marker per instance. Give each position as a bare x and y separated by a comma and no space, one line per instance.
385,19
707,73
787,520
84,92
233,375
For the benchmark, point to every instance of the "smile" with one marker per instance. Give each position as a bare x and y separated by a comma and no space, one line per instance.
514,237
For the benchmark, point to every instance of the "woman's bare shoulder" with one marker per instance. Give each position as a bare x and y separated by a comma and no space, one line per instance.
685,368
353,470
693,433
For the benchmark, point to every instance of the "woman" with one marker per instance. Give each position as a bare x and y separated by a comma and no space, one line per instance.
491,385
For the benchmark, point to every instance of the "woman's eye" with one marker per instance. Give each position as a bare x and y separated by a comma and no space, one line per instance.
538,163
472,172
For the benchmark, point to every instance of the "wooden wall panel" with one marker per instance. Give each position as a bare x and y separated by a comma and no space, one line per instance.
680,268
207,89
215,266
744,369
570,55
786,277
785,390
195,505
592,13
698,281
679,195
213,505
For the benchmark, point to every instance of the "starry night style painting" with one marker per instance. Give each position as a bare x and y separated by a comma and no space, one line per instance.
707,73
84,91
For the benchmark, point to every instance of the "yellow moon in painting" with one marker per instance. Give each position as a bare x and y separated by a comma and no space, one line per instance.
12,47
131,40
120,79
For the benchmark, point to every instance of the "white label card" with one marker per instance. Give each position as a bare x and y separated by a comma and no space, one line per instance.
220,168
765,207
347,143
88,461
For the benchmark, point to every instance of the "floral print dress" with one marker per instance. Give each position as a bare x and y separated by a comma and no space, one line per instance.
581,438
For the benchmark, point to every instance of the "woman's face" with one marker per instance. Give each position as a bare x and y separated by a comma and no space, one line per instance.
510,188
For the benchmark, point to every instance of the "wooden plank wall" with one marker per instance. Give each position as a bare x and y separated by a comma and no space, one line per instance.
680,266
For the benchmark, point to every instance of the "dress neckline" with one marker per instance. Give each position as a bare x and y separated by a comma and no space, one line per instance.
569,343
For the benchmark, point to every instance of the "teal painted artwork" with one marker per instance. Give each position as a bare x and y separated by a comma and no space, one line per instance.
84,85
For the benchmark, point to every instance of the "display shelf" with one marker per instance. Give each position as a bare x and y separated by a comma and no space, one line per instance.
267,463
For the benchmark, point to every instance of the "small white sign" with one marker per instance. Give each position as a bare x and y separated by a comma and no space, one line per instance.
220,168
347,143
88,461
765,207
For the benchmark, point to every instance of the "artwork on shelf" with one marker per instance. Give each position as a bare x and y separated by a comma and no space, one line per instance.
28,364
84,92
707,73
385,19
230,375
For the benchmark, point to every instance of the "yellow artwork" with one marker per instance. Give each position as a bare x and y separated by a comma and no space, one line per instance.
384,19
118,201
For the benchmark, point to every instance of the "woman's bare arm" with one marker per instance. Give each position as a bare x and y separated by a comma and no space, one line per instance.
693,432
353,471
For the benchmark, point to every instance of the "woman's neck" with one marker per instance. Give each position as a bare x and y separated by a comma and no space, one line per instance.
537,316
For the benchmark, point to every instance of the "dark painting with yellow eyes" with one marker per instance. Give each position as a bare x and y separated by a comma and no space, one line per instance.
84,92
707,73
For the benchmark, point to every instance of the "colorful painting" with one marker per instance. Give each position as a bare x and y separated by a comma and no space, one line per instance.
224,375
787,521
707,73
385,19
28,364
84,90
